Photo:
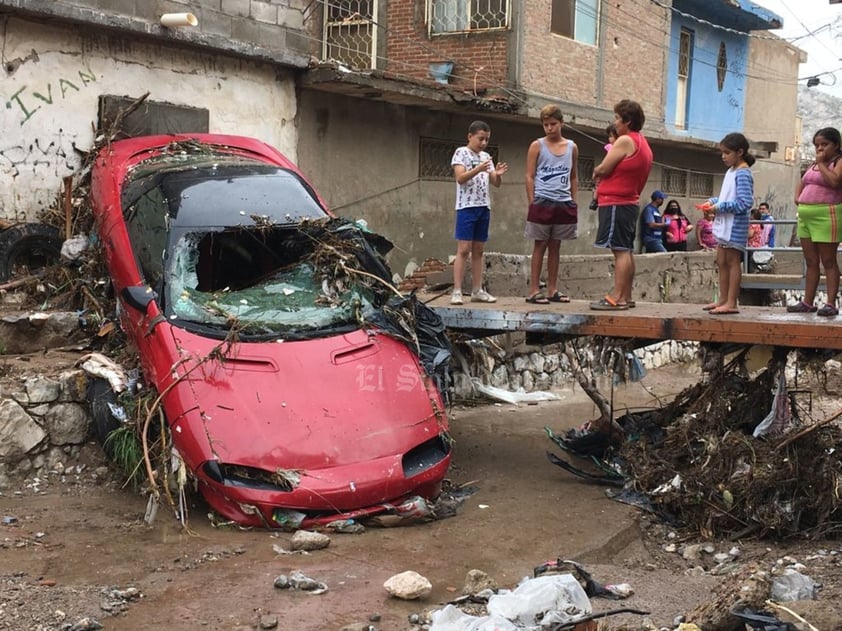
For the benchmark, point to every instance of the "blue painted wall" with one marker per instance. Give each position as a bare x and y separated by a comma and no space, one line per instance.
710,113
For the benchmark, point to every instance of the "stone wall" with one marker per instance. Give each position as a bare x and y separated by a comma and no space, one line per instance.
43,424
506,362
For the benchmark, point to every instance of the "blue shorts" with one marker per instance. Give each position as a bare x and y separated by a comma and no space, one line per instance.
472,223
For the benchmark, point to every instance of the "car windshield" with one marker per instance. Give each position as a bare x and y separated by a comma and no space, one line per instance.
259,282
219,238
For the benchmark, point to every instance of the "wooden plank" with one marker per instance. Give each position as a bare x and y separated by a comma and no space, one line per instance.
651,321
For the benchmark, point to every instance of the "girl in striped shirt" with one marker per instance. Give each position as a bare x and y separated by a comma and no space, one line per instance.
730,225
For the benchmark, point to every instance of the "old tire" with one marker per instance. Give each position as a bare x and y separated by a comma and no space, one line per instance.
103,422
29,245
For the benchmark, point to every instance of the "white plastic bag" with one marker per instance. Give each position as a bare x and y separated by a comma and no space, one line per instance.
454,619
514,398
535,597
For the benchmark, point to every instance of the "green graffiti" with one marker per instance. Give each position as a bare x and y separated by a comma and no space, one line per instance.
17,99
87,77
64,83
48,100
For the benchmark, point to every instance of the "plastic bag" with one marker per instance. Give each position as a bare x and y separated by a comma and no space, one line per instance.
535,597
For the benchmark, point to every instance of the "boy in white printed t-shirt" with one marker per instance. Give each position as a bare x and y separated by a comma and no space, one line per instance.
473,169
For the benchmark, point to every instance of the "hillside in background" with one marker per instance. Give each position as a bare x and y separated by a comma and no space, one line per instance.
817,110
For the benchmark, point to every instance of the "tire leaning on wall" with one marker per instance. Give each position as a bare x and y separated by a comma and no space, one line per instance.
33,245
101,399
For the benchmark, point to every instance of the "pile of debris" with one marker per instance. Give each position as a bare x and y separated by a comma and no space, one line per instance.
726,459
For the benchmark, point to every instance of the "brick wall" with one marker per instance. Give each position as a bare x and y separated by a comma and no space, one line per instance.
630,63
631,60
480,58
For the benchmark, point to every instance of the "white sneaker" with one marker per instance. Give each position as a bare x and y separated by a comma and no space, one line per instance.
482,296
456,298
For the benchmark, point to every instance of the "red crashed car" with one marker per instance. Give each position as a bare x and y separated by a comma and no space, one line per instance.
290,391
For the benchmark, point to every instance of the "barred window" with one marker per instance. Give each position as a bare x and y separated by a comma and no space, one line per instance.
460,16
434,157
686,183
349,32
674,182
701,184
585,168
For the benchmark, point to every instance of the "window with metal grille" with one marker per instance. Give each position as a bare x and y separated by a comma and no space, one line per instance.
684,43
721,66
434,157
349,34
701,184
674,182
682,84
584,168
576,19
460,16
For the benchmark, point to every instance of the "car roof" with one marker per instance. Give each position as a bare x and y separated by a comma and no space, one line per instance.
132,150
121,156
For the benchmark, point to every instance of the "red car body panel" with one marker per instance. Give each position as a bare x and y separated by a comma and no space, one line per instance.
339,411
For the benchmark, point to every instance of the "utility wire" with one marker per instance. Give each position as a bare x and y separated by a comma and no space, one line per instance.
514,95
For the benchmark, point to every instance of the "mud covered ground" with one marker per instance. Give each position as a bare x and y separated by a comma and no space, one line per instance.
74,548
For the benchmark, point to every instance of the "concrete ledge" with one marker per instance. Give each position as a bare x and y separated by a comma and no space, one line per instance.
682,277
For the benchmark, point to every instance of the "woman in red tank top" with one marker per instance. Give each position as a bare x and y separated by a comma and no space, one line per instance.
621,176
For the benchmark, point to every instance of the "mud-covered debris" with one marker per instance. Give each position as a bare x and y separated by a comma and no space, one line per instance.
297,580
695,461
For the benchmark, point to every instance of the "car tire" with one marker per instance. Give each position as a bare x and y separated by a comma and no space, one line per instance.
103,422
32,244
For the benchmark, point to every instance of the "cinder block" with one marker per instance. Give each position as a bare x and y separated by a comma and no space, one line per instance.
264,11
239,8
216,22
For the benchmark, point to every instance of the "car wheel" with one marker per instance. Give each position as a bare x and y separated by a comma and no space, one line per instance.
101,399
28,246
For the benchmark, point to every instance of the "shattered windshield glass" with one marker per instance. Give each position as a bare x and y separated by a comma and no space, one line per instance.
259,282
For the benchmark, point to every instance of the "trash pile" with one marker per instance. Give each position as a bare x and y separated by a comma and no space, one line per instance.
726,458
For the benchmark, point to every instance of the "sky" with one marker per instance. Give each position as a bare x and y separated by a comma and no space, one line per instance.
823,46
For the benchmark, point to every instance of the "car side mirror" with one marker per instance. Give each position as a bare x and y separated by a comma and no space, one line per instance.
139,296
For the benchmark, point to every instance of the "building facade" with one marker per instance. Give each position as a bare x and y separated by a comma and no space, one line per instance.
68,64
371,97
398,102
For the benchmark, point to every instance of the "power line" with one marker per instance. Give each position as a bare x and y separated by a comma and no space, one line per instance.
514,95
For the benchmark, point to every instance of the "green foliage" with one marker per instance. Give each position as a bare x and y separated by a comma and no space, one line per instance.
125,449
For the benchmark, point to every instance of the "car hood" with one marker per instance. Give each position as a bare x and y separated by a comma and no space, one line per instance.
303,405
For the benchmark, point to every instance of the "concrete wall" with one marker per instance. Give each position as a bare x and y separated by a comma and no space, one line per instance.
272,30
55,74
679,277
770,85
363,158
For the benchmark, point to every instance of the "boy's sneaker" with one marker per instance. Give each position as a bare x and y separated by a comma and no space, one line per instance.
456,298
482,296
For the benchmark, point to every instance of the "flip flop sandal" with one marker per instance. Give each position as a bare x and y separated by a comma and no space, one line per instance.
538,299
608,304
559,297
801,307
